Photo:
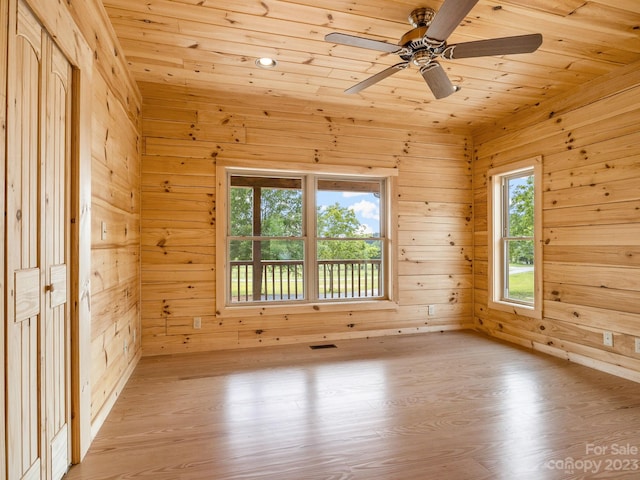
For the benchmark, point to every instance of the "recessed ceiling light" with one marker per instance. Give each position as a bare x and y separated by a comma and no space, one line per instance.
266,62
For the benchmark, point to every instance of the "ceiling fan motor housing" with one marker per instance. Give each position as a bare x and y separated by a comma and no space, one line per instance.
416,46
421,17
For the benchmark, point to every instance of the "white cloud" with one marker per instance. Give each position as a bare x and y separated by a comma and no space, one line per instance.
354,194
365,229
366,209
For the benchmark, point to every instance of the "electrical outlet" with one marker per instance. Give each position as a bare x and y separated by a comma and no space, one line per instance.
637,345
197,322
432,310
103,230
607,339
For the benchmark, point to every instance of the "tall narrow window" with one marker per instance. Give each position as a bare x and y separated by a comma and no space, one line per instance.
306,238
517,237
515,251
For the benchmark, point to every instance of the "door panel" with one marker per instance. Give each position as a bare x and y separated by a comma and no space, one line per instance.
55,310
37,239
23,123
27,294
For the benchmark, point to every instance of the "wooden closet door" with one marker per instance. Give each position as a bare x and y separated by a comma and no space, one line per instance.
54,248
22,244
37,321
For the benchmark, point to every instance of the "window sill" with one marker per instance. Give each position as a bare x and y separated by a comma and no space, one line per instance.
310,308
521,310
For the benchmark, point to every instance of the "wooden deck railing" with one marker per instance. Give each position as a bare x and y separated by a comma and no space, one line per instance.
282,280
349,278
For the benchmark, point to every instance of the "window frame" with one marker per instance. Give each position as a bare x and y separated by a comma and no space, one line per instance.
316,239
252,181
388,302
497,241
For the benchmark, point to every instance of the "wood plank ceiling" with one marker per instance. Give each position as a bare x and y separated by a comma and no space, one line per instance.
212,45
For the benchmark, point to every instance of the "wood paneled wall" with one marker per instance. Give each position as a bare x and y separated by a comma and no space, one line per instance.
115,186
187,131
115,233
590,145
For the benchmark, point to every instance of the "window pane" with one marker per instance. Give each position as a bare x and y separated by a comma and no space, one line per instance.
520,201
240,250
520,276
241,211
267,270
279,201
349,268
348,208
280,212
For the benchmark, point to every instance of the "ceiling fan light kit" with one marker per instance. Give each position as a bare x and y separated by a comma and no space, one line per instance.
427,42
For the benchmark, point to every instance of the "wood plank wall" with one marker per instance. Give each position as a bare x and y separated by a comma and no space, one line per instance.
115,186
115,282
187,131
4,39
590,144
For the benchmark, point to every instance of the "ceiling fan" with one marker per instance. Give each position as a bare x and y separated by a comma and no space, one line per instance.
428,40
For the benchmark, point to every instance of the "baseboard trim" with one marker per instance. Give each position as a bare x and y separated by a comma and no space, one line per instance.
580,359
102,415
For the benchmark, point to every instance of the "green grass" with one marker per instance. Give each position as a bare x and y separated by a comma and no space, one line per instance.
521,286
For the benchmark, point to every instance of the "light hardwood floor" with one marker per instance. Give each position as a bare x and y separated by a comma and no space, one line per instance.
454,405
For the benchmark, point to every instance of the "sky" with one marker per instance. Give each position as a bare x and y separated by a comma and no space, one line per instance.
365,205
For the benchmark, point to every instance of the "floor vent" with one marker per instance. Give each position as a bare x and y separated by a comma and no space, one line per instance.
317,347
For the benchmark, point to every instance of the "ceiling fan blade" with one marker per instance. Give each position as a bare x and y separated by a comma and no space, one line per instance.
448,18
387,72
495,46
437,79
353,41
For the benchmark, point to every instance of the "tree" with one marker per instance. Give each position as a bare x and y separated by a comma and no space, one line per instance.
521,220
280,216
336,222
241,219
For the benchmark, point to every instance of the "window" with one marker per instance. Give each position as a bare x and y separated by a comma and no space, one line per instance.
305,238
517,202
349,238
515,253
265,243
